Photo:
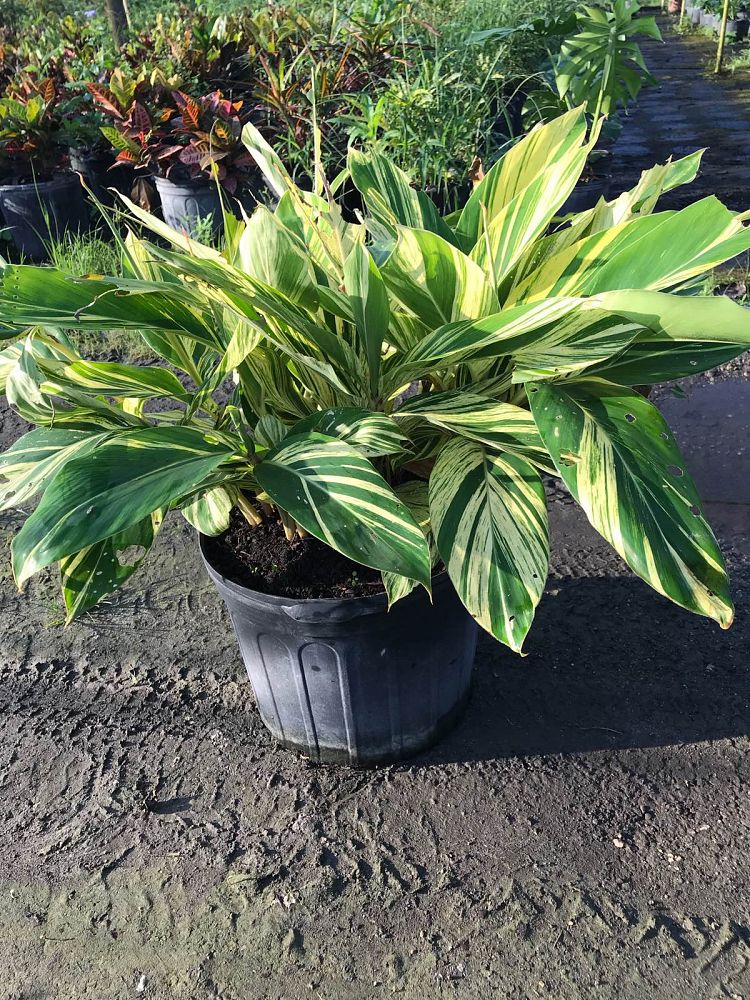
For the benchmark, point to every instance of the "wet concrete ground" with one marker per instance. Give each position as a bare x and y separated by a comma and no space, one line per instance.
689,109
582,833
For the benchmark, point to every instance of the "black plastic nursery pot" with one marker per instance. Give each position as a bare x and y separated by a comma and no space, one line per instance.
348,681
185,204
35,213
96,170
738,27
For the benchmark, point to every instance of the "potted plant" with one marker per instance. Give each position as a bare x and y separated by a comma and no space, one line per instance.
39,197
394,391
191,149
601,67
91,153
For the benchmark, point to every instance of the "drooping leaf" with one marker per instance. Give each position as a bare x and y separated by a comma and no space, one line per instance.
414,494
620,461
209,513
126,479
113,379
645,362
334,492
33,461
489,518
96,571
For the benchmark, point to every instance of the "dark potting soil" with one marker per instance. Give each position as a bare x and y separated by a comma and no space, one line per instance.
262,559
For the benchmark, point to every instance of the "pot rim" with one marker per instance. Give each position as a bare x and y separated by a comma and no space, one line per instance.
194,182
63,179
371,602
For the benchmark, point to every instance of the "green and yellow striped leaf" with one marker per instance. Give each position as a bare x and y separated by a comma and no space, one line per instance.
500,426
100,494
371,433
112,379
269,252
89,575
209,513
620,461
517,170
45,296
435,281
368,297
414,495
681,318
655,360
520,222
653,252
545,339
267,160
8,361
489,518
334,492
36,458
390,198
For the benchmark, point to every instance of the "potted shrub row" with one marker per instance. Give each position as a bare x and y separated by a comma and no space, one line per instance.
363,417
40,197
709,15
190,147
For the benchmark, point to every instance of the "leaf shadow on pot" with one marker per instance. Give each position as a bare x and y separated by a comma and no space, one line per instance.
610,666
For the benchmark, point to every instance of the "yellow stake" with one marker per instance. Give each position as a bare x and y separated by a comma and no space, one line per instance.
722,36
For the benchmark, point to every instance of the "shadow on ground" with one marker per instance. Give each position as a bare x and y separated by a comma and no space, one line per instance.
610,666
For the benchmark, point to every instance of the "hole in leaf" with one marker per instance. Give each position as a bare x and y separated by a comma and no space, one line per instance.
630,418
674,470
694,509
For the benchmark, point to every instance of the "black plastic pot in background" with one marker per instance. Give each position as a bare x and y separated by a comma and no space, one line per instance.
738,27
96,170
186,204
347,681
33,214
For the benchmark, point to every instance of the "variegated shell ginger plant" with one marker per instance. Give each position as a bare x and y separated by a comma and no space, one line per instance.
396,385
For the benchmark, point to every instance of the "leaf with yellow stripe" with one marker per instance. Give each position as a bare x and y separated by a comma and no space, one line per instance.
621,462
435,281
489,519
336,494
414,494
545,339
89,575
655,252
521,221
519,168
501,426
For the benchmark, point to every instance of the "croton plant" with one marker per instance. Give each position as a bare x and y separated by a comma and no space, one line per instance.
394,386
179,137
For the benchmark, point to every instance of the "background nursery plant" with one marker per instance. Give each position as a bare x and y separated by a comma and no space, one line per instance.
396,387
